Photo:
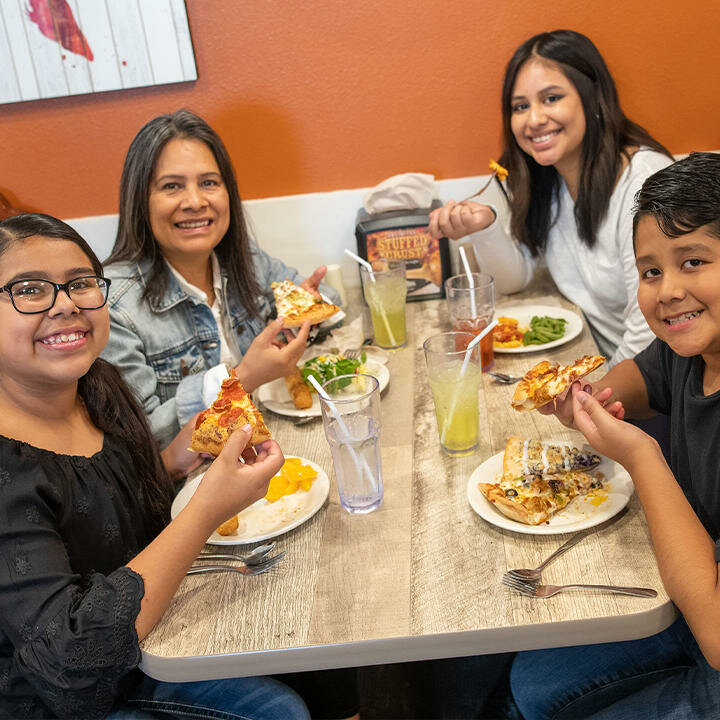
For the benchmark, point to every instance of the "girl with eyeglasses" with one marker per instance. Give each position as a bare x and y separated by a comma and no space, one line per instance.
89,559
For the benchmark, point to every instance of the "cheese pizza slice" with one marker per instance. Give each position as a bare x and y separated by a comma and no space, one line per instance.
296,305
547,380
232,409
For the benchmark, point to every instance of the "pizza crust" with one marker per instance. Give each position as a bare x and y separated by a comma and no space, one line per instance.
545,381
316,315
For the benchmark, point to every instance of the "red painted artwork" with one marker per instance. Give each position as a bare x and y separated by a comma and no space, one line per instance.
55,20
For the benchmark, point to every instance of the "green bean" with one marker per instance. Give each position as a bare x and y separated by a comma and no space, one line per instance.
544,329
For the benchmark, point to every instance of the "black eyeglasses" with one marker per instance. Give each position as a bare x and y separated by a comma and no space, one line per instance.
35,296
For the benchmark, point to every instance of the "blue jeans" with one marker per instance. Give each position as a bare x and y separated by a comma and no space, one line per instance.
253,698
663,677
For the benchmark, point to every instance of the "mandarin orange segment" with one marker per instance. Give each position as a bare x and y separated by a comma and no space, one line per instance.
293,475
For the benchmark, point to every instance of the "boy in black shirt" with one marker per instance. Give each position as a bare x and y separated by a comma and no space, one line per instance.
675,673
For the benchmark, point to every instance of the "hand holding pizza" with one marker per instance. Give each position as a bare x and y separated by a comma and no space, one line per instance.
562,406
455,220
230,485
267,359
618,440
178,459
311,284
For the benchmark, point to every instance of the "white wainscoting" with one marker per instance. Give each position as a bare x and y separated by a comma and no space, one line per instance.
304,231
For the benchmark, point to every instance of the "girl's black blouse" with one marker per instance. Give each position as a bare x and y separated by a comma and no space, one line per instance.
68,604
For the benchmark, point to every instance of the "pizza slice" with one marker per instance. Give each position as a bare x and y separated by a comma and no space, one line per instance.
534,499
532,457
547,380
296,305
530,499
232,409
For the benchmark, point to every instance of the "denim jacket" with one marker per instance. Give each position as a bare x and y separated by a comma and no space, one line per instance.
163,350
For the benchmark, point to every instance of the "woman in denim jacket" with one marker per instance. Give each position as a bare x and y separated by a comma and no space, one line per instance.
190,291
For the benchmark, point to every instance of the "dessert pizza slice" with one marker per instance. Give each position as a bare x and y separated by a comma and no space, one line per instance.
232,409
547,380
296,305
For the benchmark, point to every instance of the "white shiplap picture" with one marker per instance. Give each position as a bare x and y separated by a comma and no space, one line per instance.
52,48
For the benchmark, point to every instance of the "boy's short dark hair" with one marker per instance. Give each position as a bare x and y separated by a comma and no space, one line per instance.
683,196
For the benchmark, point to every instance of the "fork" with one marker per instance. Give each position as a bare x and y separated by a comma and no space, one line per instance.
533,589
504,379
482,189
253,558
255,569
534,574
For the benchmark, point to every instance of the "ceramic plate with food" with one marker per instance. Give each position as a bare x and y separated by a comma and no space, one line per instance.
275,395
263,519
582,512
524,314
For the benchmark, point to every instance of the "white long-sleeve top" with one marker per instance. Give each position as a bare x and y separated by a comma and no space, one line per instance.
601,280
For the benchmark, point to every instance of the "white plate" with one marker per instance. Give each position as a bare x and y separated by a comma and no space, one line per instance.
274,395
580,513
263,520
524,314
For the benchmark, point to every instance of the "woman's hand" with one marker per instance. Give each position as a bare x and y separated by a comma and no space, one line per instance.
563,409
177,457
268,358
621,441
231,484
311,283
455,220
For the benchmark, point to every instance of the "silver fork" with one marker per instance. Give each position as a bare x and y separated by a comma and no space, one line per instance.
534,574
253,558
505,379
533,589
352,353
255,569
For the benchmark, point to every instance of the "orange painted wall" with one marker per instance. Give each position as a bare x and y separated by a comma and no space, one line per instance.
317,95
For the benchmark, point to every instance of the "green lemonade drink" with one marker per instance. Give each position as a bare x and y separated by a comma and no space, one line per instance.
386,299
394,330
456,406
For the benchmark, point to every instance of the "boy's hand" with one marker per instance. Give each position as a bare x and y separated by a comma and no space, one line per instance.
562,406
311,284
609,435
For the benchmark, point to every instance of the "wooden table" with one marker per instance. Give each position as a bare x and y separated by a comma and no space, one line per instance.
420,577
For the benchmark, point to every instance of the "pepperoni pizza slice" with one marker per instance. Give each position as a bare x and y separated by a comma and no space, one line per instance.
232,409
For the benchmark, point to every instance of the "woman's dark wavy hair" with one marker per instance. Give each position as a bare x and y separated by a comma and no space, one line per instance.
135,240
683,197
608,135
109,402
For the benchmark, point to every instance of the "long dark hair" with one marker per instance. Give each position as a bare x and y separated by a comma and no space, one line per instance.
135,239
110,403
608,134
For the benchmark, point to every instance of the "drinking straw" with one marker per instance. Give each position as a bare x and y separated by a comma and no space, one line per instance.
346,437
373,294
471,282
463,368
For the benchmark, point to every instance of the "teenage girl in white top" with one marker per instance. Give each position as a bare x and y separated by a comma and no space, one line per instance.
575,162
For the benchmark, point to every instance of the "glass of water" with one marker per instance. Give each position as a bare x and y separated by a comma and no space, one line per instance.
352,429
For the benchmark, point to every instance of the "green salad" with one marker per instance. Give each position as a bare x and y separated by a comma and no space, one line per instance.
326,367
544,329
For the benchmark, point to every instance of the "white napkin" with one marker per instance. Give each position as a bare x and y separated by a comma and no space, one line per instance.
401,192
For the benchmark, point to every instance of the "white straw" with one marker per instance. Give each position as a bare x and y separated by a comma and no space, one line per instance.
463,368
376,299
471,281
359,461
364,263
